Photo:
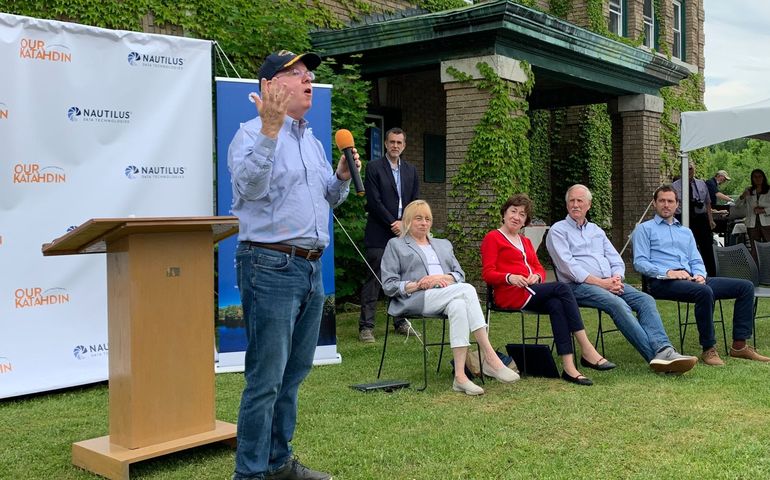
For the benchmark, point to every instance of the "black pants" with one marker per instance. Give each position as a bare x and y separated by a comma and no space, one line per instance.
557,300
370,291
704,240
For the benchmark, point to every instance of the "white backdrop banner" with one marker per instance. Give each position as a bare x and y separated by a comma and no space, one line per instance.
93,123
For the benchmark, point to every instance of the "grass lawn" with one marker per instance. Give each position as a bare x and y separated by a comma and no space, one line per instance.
709,423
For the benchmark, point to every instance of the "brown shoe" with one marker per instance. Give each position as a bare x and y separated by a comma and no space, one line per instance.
366,336
749,353
711,357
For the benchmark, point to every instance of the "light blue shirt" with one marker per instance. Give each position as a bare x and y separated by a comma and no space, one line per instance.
397,178
282,189
578,252
660,247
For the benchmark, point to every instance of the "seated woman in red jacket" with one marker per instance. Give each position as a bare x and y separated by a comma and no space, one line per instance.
510,266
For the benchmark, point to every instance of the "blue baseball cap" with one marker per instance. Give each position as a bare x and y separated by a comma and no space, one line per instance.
277,61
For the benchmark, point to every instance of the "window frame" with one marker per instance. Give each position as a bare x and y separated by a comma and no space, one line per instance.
650,41
619,15
681,32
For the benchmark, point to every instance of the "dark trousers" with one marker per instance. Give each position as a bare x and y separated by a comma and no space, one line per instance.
370,291
704,240
704,295
557,300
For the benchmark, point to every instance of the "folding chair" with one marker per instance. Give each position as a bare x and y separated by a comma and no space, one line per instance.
763,261
600,331
425,344
684,324
492,307
736,262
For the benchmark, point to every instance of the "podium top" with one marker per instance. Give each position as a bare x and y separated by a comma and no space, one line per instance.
93,235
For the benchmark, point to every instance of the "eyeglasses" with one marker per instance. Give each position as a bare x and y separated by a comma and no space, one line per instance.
296,72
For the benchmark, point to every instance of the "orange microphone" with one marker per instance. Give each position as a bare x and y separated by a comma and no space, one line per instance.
345,143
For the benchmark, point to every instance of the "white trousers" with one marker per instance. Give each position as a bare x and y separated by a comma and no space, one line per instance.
460,303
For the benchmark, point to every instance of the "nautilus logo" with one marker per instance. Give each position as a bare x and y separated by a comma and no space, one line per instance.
155,172
80,352
132,172
73,113
98,115
134,58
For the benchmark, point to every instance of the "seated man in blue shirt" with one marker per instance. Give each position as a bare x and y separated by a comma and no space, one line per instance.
665,252
585,259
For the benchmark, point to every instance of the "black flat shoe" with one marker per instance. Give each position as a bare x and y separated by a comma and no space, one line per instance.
597,366
579,380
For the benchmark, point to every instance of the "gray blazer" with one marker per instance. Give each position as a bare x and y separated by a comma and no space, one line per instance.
404,261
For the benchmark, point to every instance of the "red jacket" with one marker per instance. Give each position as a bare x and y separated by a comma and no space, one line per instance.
499,258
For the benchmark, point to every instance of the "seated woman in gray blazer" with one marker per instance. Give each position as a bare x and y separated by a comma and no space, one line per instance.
423,277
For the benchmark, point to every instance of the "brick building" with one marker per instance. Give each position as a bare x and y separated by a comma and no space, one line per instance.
406,53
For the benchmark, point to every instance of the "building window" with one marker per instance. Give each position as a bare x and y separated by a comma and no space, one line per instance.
434,156
616,17
648,15
678,50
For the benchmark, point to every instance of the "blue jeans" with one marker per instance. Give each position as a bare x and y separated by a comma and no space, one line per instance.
282,298
716,288
644,331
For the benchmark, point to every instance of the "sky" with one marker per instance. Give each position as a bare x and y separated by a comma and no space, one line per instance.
737,52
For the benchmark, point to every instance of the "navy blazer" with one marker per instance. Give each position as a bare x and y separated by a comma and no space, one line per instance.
403,262
382,198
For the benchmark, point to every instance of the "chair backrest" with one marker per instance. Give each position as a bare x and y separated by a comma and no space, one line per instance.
491,301
763,258
735,261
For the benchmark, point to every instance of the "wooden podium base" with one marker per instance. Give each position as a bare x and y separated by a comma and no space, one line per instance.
97,455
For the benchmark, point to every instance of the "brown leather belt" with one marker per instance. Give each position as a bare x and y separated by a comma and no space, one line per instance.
289,249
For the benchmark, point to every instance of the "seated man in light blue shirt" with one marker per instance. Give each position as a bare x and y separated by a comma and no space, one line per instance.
665,252
585,259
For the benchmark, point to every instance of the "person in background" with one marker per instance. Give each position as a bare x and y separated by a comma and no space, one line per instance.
423,277
665,253
584,259
713,184
283,187
701,219
391,183
756,201
511,267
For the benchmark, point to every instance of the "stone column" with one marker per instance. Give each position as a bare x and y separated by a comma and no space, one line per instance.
465,106
635,162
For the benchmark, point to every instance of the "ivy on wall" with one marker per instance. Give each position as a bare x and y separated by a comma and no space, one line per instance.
500,144
540,155
684,98
560,8
596,150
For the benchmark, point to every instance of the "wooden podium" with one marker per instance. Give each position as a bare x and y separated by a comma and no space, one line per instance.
160,287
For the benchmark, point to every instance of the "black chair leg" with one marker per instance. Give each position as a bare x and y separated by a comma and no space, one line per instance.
384,345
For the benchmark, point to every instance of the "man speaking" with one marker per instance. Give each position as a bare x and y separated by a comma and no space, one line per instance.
283,187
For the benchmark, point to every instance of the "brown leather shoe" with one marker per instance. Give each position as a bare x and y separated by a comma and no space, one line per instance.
749,353
711,357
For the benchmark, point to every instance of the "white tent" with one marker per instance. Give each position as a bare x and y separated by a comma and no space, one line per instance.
702,129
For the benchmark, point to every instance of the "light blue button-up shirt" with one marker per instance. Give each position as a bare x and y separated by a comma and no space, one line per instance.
578,252
282,189
660,247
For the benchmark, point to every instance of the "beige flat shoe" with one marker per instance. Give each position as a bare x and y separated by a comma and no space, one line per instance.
468,387
502,374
